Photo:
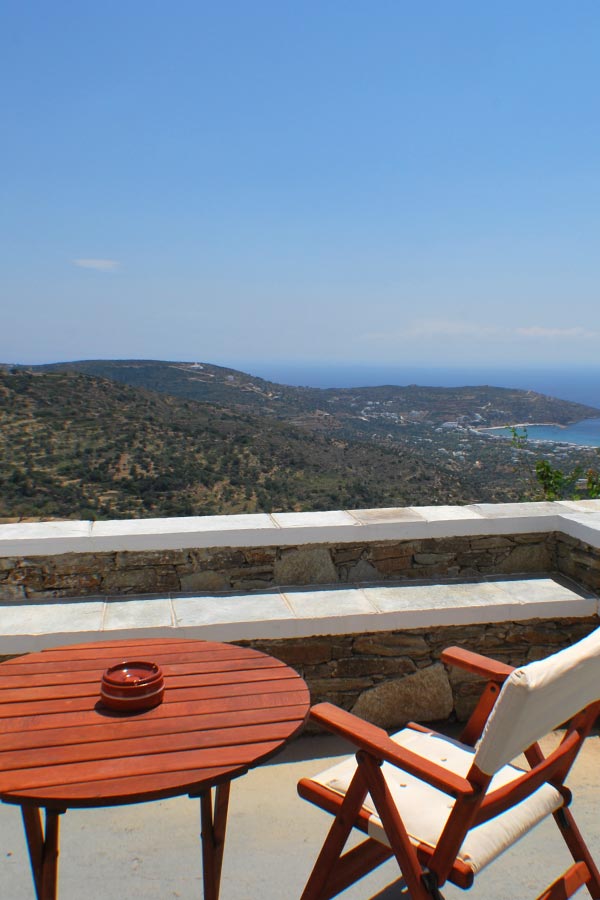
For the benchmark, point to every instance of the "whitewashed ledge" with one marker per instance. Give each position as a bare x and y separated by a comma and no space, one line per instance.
295,613
578,519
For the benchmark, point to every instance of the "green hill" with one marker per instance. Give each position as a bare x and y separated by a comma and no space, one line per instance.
73,445
108,439
347,407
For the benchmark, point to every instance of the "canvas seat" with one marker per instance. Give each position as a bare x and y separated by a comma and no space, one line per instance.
445,809
425,810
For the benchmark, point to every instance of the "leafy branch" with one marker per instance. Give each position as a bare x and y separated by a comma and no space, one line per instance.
554,483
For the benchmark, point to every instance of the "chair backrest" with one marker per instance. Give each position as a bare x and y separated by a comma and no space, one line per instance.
537,698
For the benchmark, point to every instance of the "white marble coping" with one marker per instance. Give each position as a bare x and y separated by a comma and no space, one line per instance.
291,613
292,529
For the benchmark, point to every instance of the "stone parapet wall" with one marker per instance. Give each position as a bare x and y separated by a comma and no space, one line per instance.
393,677
579,561
387,676
259,568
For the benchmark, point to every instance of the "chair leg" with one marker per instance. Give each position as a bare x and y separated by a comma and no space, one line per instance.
579,851
568,883
331,851
421,885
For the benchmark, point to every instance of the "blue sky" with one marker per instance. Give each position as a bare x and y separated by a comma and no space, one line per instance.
241,182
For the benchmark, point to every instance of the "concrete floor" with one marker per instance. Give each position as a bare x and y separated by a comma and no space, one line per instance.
152,850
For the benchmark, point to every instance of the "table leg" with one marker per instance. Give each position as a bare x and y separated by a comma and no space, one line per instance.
43,849
214,824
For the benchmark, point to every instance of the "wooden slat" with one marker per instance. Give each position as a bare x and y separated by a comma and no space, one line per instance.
36,779
72,704
45,677
54,758
91,688
131,727
110,792
100,661
91,717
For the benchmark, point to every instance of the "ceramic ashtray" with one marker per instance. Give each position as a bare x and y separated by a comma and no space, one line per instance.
133,685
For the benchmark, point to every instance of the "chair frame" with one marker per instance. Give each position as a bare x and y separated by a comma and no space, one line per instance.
426,869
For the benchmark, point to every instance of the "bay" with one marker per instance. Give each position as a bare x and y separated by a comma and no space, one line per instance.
583,434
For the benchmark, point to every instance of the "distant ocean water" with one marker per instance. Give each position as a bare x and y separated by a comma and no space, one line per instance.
581,385
585,433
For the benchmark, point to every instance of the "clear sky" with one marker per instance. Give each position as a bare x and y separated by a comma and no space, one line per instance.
323,180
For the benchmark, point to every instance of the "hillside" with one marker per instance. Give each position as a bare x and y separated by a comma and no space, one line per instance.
77,445
333,407
72,445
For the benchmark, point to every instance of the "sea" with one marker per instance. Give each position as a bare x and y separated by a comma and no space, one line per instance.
585,433
579,384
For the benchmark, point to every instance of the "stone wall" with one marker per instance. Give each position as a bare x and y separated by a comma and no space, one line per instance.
578,561
387,677
260,568
392,677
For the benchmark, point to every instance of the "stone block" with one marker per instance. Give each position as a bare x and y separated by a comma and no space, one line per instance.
140,581
425,696
82,582
394,551
205,581
216,558
385,644
530,539
260,556
294,652
394,565
31,579
76,563
12,593
372,665
490,542
311,565
434,559
359,572
587,560
128,559
343,555
526,558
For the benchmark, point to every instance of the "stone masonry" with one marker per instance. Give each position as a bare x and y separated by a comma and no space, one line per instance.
387,677
392,677
260,568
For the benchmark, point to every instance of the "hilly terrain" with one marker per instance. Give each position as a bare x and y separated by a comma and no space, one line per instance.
110,439
348,408
73,445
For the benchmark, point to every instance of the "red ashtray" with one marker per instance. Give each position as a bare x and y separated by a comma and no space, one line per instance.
132,685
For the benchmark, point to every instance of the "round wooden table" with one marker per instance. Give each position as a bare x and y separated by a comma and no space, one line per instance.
225,709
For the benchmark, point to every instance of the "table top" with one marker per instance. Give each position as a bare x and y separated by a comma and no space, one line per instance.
225,709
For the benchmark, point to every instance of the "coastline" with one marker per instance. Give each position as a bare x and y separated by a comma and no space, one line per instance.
526,425
585,438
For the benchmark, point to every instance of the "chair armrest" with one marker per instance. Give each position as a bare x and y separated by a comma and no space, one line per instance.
491,669
377,742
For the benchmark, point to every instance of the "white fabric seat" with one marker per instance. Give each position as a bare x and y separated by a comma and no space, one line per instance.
425,810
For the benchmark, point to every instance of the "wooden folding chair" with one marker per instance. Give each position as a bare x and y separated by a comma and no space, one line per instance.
446,808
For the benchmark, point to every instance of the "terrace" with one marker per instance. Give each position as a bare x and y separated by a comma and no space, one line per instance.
361,603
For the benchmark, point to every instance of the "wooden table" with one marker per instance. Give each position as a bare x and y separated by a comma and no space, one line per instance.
225,709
